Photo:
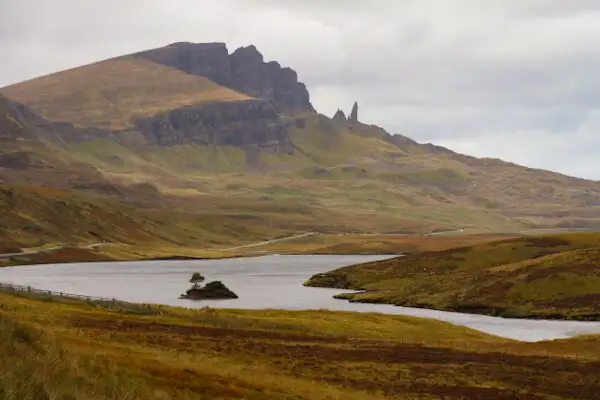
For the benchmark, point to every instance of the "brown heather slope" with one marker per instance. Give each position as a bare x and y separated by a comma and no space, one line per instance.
174,128
109,94
33,217
555,276
126,351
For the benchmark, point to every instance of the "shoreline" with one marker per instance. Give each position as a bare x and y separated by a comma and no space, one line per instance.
537,329
495,312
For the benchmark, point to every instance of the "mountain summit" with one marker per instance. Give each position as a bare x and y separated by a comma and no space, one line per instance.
180,94
244,70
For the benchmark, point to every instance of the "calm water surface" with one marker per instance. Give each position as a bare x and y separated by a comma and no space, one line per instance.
261,282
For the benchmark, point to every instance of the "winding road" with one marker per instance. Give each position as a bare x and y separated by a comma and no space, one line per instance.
283,239
299,236
96,245
37,251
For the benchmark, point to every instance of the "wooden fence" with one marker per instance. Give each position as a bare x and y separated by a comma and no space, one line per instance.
10,288
104,302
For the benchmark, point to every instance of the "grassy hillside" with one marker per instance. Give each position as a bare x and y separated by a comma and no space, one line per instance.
361,176
377,244
543,277
110,93
34,366
169,353
34,216
312,175
353,171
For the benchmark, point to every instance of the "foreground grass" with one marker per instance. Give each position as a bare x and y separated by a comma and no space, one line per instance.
35,366
175,353
544,277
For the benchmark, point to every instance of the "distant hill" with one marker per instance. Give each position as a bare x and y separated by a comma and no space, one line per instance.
195,122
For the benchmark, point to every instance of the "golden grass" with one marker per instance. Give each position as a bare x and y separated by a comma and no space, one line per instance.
272,354
110,93
34,366
376,244
555,276
35,217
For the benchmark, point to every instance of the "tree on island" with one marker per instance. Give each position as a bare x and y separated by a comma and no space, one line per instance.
196,278
212,290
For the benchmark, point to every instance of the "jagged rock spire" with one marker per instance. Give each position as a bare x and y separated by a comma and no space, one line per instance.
354,113
339,115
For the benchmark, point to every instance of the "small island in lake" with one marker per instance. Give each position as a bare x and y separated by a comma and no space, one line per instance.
210,291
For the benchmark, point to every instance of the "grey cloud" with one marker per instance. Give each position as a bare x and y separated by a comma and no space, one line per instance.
466,73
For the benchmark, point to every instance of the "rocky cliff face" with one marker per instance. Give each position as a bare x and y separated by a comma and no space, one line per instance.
244,70
11,116
249,123
19,122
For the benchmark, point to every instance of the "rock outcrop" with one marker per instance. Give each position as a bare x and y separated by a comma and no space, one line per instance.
211,291
247,123
244,70
205,59
270,81
22,160
339,116
11,126
253,123
354,113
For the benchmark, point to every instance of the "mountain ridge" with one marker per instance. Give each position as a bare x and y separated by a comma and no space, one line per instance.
144,122
243,70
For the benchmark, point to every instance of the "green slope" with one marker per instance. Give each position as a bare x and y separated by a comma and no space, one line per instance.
544,277
350,169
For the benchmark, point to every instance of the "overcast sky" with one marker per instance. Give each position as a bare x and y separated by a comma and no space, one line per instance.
514,79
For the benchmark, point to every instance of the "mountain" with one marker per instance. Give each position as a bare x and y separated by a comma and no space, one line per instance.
244,71
194,127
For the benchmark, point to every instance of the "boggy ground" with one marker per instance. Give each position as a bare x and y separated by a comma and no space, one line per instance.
69,349
555,276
